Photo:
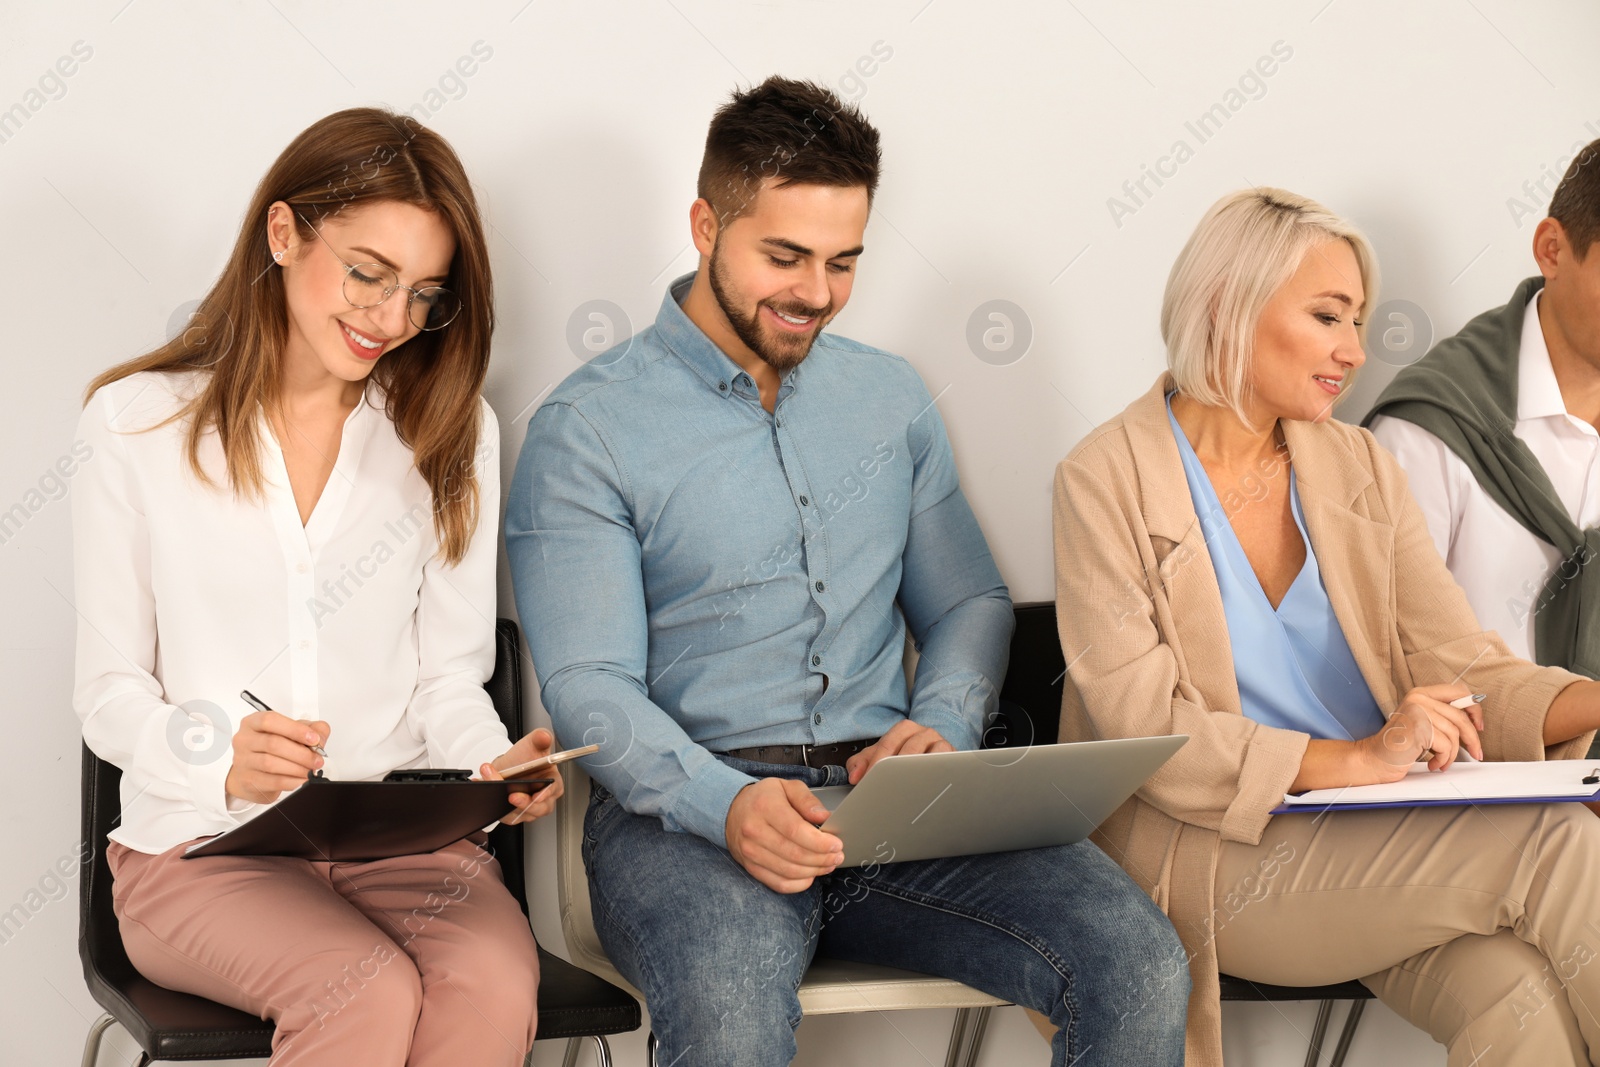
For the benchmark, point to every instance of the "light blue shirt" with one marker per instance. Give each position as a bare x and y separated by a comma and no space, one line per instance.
690,568
1294,667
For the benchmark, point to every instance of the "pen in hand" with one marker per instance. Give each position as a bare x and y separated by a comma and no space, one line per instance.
261,705
1461,703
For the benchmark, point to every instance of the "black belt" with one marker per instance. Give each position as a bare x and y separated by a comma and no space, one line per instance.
814,756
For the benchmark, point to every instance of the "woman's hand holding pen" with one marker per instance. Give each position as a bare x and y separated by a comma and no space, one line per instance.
272,754
1433,723
1455,719
524,807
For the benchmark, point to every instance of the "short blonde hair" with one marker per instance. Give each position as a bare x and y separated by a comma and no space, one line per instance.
1245,249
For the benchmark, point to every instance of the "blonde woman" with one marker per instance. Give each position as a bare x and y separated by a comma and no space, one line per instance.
1234,565
298,496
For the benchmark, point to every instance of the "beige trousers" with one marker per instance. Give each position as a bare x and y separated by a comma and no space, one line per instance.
1480,925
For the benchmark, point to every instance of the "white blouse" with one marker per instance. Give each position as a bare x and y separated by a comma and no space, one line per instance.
187,595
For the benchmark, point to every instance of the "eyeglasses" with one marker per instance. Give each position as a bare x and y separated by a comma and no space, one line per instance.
367,285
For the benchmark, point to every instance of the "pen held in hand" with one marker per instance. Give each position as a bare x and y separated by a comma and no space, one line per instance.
261,705
1462,755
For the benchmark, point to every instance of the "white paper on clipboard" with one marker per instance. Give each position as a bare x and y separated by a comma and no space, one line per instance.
1465,781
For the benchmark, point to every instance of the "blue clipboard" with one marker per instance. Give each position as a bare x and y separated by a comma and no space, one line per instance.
1455,802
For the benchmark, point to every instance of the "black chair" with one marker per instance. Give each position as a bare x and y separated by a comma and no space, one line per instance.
168,1025
1030,713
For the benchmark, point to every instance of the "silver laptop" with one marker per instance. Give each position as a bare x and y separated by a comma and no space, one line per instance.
939,804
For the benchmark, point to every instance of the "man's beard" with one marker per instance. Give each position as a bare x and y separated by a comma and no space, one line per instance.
781,352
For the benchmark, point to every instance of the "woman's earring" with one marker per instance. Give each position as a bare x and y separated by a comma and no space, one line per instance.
277,257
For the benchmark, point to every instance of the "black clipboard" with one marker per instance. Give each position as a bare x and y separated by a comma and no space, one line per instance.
358,821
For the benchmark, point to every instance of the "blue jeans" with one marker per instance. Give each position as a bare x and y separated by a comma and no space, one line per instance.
719,956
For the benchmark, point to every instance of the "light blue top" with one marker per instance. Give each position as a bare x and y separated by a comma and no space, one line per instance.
1293,664
690,568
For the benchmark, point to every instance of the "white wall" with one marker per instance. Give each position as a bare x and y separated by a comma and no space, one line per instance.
1007,126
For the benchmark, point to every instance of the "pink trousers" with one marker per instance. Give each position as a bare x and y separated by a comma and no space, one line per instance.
418,960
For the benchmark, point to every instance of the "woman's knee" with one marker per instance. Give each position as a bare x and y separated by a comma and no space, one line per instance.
502,983
379,988
1477,992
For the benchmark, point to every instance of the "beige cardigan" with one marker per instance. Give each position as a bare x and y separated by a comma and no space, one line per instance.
1143,629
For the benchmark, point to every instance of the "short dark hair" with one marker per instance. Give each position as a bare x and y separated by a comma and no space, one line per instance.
791,131
1576,204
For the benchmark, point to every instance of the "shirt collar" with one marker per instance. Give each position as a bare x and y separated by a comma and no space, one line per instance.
690,344
1538,392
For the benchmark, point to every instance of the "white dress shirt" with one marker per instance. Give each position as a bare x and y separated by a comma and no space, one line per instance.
187,595
1495,559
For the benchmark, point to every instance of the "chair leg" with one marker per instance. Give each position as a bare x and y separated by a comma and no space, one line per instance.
650,1049
569,1058
1318,1032
958,1037
602,1050
980,1023
91,1044
1348,1033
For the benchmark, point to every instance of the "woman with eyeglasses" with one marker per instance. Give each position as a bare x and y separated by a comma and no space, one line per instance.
298,496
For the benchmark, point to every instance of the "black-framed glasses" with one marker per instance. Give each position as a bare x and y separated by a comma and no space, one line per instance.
367,285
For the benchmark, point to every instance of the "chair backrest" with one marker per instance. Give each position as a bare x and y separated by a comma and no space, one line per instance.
572,877
508,843
1030,699
99,940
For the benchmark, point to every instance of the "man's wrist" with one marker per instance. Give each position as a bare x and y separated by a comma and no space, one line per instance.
727,822
703,803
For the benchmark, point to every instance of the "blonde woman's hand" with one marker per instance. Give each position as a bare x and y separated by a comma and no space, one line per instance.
1389,754
1453,728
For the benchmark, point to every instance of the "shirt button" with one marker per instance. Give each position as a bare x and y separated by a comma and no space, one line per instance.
816,661
819,587
301,567
304,645
818,719
723,386
803,501
743,380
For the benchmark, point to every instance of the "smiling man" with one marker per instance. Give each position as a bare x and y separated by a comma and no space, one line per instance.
720,537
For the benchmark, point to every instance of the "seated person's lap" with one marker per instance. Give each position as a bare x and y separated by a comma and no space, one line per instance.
266,934
1362,891
679,917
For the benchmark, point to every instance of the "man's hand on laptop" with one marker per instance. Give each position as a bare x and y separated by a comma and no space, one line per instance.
904,738
770,833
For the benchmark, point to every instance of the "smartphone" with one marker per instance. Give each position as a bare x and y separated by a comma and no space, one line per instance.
549,761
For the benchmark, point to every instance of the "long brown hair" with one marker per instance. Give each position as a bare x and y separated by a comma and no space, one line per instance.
431,383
